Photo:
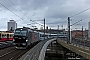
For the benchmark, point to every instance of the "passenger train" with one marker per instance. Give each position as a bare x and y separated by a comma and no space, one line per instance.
6,36
24,37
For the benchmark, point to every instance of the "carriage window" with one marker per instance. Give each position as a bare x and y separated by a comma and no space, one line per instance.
11,36
41,35
7,35
3,36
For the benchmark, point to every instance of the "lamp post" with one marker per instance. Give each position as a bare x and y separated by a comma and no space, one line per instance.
58,31
76,32
50,32
69,35
82,32
69,41
44,28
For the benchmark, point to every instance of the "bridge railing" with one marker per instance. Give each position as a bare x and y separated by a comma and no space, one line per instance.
78,42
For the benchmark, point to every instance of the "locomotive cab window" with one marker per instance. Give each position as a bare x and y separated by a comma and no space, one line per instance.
20,32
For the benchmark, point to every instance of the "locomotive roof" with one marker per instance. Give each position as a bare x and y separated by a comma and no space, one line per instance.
25,29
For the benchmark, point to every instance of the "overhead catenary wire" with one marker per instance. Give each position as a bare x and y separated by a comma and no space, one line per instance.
12,11
23,13
80,12
18,8
76,22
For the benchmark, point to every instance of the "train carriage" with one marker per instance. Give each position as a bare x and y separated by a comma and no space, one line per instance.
23,37
3,36
41,35
10,36
6,36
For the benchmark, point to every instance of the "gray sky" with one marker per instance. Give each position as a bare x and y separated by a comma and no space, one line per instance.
55,12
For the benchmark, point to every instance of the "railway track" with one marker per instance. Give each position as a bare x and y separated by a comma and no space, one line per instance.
11,53
5,44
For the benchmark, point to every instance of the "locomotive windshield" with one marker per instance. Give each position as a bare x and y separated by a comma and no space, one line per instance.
20,32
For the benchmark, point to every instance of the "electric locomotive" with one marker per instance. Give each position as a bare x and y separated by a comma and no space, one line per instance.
23,37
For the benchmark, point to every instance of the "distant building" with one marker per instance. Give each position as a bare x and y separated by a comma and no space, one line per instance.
79,33
12,25
89,29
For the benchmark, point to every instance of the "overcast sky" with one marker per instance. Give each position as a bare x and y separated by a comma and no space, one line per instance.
55,12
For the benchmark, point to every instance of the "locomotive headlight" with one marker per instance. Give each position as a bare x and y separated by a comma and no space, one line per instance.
26,40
